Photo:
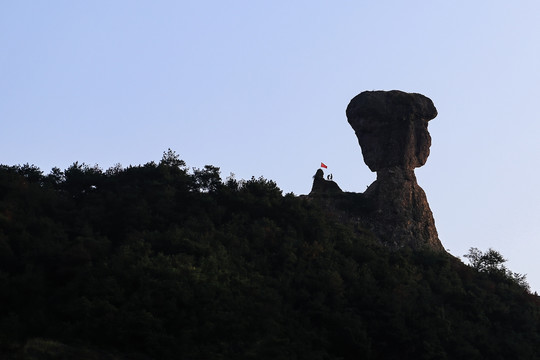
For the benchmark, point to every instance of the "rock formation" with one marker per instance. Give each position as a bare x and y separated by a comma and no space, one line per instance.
391,127
322,186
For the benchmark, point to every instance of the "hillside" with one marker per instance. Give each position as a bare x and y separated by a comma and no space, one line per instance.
159,262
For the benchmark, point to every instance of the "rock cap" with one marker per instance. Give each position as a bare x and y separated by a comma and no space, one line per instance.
391,127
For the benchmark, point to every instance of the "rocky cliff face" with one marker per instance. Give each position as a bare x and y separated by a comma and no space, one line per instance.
391,127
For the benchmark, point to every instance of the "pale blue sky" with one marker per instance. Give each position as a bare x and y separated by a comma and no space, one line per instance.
261,87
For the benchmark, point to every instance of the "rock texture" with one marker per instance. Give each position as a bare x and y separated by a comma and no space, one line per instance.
391,127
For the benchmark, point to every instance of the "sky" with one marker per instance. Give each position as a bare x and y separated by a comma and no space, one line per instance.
260,88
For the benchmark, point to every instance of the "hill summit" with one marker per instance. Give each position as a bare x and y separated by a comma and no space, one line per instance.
160,261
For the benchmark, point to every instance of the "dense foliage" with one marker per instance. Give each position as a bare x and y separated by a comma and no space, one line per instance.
160,262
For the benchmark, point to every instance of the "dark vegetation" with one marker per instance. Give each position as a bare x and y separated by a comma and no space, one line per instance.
158,262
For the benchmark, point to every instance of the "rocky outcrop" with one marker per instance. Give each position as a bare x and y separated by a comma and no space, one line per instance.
391,127
322,186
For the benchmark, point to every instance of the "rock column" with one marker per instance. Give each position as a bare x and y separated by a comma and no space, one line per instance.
391,127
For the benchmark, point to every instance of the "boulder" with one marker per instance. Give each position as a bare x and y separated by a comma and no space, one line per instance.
391,127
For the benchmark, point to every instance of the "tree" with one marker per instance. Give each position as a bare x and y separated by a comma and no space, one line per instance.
82,177
492,262
56,176
172,159
207,179
31,172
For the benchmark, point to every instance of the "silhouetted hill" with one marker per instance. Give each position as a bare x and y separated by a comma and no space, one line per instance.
156,262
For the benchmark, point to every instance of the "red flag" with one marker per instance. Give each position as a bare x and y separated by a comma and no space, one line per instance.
324,166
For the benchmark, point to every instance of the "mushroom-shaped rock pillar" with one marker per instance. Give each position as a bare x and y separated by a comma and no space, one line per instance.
392,130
